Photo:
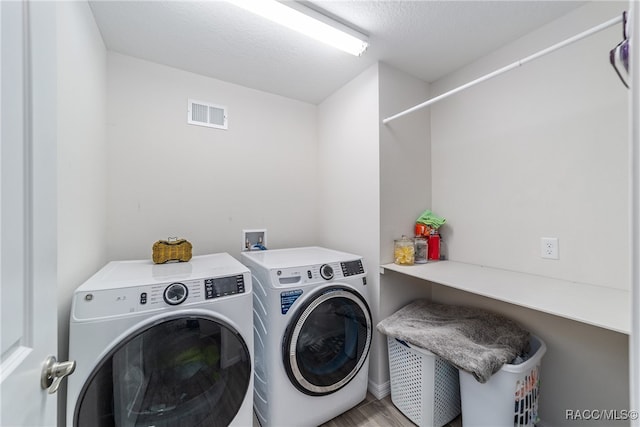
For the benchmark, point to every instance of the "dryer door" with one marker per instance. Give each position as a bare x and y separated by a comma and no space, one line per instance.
180,371
327,341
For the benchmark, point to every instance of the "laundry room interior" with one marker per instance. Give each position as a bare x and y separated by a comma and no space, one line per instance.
540,151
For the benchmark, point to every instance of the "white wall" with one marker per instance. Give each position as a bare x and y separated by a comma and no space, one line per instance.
405,157
348,167
168,178
538,152
82,173
542,152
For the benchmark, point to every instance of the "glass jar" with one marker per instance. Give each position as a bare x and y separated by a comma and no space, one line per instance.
421,249
404,251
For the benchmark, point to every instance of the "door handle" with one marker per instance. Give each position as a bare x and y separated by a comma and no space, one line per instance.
53,373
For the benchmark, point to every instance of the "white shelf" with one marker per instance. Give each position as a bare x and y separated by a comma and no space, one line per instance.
600,306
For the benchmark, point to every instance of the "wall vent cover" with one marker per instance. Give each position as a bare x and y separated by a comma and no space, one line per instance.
207,114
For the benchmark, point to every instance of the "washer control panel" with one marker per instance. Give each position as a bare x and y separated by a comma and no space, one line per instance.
352,268
317,273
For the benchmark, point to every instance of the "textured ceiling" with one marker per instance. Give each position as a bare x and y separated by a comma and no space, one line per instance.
427,39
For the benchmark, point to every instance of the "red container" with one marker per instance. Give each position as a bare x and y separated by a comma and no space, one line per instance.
434,247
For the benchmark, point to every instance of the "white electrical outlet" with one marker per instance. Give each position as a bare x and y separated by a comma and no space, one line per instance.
549,248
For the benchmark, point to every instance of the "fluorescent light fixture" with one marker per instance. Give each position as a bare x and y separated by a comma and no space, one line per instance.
309,22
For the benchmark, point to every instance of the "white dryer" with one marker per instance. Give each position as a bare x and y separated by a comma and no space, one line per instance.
163,345
312,334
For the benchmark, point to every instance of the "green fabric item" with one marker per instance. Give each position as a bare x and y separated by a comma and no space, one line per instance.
431,219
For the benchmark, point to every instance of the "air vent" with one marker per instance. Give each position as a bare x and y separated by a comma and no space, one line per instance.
207,114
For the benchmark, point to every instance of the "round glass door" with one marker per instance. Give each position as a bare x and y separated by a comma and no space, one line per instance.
327,341
182,371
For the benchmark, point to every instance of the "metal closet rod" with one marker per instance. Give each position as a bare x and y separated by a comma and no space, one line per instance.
509,67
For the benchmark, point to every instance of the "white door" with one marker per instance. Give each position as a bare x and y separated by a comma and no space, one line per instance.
28,241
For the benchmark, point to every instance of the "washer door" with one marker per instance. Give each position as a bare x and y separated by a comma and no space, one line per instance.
327,341
180,371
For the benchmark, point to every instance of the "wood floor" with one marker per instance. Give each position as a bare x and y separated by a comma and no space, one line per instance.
374,413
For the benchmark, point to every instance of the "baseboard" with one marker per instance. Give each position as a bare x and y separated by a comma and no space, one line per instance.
379,391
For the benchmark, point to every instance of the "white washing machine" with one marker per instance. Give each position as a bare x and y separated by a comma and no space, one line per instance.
163,345
312,334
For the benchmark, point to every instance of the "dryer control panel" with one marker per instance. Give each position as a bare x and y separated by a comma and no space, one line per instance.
223,286
119,301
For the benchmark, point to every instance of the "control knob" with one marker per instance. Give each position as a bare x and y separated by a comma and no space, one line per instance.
326,272
176,293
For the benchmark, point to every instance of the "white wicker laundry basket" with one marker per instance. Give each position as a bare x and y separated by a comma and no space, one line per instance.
424,387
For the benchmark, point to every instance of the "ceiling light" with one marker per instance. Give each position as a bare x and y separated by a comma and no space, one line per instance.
309,22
